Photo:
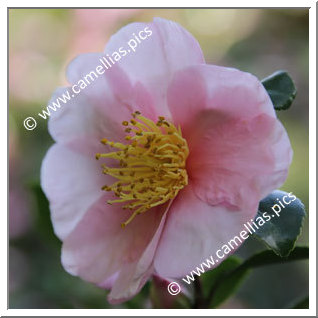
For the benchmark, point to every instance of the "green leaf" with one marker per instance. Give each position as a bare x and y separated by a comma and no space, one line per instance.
281,89
227,285
269,258
280,217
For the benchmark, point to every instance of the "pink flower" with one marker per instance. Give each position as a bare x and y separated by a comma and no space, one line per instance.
194,188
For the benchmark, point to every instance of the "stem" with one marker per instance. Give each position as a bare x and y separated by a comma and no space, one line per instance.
199,301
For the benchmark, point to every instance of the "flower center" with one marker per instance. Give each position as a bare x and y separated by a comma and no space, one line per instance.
152,166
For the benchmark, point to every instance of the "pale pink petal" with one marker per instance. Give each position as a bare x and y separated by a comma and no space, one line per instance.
100,248
129,283
83,116
193,232
169,48
238,148
109,282
237,159
72,183
227,91
135,275
94,114
83,68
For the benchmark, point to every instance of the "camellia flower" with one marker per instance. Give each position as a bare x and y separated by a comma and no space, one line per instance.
185,153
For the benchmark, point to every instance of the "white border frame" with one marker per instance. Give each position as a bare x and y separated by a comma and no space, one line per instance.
312,166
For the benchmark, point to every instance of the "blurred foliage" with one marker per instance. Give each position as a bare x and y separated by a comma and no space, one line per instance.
228,283
41,44
303,304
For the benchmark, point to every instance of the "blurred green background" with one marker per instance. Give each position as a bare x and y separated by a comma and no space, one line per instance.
41,44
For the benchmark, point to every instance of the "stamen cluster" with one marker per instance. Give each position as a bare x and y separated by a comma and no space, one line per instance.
152,167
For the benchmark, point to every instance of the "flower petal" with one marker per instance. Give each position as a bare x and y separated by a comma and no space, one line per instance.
238,148
227,91
94,112
193,232
99,248
239,159
98,110
72,183
130,284
167,49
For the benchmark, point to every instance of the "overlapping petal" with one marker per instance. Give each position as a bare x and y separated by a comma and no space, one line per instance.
193,232
238,148
99,248
168,49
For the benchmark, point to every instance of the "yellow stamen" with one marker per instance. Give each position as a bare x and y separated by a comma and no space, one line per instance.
152,167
